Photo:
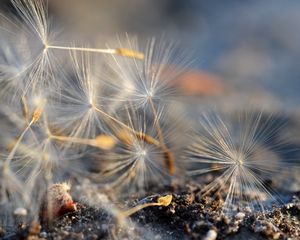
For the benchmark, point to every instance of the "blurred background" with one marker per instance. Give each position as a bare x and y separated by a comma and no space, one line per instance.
245,51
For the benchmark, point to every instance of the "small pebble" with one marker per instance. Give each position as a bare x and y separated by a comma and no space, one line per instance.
157,237
240,216
289,205
68,228
211,235
248,209
43,235
20,212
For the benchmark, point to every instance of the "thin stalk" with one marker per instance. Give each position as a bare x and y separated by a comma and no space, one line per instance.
104,142
14,149
89,142
35,117
137,208
170,160
119,51
140,135
25,108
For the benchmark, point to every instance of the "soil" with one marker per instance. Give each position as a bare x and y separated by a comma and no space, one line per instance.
189,216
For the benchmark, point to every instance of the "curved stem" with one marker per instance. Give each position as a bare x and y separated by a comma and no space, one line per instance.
170,160
19,139
35,118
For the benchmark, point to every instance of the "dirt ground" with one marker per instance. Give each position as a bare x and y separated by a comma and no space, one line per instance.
189,216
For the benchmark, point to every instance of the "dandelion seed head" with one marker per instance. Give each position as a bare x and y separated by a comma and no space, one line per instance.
138,161
29,64
75,109
242,154
143,81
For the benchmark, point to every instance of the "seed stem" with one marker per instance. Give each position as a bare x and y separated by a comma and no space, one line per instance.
119,51
140,135
35,118
169,157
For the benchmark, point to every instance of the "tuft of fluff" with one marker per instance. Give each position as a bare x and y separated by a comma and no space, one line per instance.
31,32
78,110
139,161
243,153
147,82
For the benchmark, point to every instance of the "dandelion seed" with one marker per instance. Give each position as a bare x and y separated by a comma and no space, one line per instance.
35,159
143,82
137,163
79,112
35,117
240,152
43,158
35,14
38,65
146,84
78,109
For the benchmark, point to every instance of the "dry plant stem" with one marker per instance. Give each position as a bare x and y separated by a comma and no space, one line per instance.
90,142
140,135
19,139
72,139
119,51
170,161
35,117
25,108
25,111
161,201
137,208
